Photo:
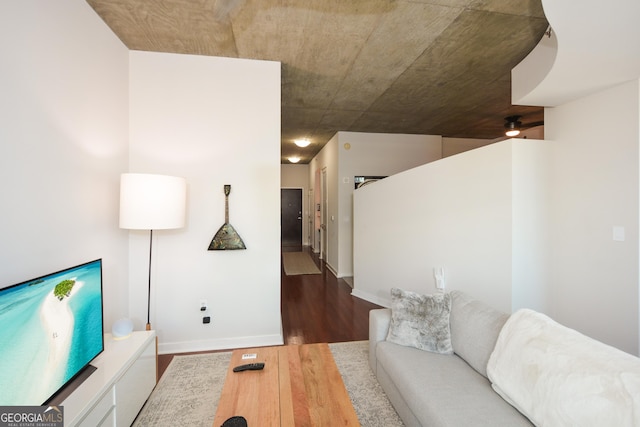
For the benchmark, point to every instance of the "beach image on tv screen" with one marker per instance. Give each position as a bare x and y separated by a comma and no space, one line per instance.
50,328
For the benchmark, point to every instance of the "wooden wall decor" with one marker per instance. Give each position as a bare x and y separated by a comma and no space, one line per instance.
226,238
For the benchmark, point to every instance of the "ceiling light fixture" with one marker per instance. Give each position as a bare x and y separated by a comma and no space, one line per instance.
512,126
302,142
294,159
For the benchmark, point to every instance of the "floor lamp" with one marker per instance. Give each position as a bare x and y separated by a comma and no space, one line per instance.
152,202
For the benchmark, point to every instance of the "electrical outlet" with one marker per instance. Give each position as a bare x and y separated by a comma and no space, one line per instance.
206,319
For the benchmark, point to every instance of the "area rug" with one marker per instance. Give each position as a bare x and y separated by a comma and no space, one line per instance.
189,391
296,263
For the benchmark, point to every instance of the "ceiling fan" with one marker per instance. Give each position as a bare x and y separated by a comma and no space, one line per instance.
513,126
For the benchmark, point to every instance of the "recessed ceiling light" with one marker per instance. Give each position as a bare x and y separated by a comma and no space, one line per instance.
302,142
294,159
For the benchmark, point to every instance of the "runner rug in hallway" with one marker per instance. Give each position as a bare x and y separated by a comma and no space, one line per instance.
188,392
296,263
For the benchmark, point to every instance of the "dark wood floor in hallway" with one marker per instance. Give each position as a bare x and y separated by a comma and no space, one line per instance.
315,308
320,308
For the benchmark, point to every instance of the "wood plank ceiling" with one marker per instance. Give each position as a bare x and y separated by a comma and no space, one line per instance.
439,67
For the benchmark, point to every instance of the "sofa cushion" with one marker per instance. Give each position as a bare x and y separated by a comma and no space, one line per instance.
420,321
474,330
442,390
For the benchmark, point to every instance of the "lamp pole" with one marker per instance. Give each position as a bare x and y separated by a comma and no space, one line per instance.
149,285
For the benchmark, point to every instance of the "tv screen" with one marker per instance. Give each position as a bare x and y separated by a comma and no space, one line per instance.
50,330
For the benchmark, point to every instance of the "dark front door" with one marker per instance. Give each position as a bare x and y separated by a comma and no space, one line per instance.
291,216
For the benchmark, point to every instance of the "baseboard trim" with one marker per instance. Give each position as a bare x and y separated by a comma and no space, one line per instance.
331,269
220,344
367,296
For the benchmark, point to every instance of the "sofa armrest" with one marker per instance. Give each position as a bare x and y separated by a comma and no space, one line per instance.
379,321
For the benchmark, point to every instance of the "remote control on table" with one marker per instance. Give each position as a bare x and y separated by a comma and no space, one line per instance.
249,367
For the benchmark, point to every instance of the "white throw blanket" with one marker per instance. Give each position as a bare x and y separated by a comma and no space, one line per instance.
559,377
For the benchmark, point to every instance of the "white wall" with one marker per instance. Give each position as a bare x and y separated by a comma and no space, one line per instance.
214,121
595,188
453,146
563,206
63,144
456,213
591,78
297,176
368,154
326,160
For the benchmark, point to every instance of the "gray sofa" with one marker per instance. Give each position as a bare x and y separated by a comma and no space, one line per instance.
431,389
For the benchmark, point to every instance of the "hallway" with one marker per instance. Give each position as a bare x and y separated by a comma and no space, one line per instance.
320,308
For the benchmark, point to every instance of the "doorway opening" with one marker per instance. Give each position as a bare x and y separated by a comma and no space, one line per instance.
291,216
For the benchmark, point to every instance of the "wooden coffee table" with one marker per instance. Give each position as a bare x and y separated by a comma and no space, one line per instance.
300,385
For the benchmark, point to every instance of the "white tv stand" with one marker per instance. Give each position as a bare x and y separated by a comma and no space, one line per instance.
114,394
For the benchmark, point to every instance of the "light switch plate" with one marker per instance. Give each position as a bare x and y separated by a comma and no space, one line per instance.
438,273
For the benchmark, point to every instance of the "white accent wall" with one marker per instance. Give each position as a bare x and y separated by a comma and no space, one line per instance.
214,121
63,144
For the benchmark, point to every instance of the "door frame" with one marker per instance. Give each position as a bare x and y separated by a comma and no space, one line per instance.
324,209
310,201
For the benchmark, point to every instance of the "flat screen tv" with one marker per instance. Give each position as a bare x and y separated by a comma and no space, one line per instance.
50,330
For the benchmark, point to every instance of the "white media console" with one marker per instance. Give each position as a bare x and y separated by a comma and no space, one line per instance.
116,391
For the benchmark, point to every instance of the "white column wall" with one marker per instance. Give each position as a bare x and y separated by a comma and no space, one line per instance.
531,188
594,279
214,121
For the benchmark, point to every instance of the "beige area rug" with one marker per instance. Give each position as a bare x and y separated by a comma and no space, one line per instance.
296,263
189,391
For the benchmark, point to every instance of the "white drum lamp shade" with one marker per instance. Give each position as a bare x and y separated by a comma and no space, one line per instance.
152,202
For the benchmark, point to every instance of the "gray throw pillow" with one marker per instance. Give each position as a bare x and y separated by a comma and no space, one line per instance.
420,321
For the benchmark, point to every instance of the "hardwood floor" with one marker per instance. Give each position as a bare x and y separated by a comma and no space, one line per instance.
320,308
315,308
